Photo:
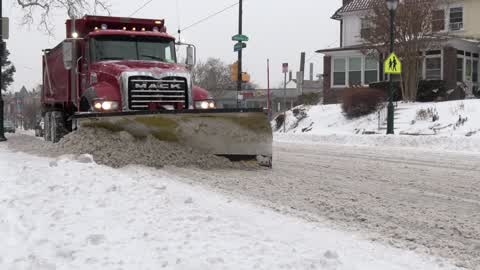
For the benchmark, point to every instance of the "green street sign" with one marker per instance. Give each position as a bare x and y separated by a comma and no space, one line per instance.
241,38
239,46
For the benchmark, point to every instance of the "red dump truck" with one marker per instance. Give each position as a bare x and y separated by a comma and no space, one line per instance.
123,74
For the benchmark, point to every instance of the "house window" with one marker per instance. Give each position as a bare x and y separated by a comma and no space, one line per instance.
438,20
420,68
339,71
355,71
459,69
475,71
456,19
371,70
366,29
433,68
468,70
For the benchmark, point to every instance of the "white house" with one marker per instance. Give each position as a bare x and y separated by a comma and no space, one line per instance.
456,61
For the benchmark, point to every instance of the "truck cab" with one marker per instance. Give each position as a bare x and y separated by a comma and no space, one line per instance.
112,64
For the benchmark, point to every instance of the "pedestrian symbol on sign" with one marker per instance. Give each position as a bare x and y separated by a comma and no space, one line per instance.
393,65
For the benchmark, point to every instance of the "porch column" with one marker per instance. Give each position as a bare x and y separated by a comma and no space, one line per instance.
450,67
327,79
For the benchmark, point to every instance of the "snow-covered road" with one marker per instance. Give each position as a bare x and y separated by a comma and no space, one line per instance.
69,213
409,198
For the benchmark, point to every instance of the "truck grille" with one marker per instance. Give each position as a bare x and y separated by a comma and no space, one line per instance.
147,92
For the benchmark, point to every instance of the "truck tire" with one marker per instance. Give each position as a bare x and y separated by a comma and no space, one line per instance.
57,126
46,127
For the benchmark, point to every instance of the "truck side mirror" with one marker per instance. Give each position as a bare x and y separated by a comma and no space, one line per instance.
190,56
68,54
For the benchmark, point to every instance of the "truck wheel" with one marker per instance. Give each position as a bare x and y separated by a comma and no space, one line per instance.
47,130
57,126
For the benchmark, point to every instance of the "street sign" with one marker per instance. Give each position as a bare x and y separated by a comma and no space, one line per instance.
240,38
285,67
239,46
5,27
393,65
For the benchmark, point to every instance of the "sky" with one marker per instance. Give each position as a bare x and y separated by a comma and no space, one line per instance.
279,30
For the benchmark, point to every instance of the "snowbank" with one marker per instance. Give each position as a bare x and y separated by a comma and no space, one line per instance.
120,149
67,214
451,126
435,143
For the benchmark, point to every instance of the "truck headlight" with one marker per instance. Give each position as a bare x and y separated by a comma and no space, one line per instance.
205,104
100,105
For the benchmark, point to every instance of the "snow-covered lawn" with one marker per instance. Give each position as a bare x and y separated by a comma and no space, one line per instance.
456,127
22,131
70,213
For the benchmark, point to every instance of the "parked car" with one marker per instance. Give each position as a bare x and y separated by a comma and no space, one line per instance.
8,127
39,128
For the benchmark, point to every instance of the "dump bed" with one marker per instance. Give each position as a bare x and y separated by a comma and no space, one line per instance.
56,79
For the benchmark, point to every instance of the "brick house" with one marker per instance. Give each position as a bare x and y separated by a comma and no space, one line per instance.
457,59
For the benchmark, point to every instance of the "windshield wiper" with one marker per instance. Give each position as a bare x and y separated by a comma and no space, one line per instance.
111,58
153,57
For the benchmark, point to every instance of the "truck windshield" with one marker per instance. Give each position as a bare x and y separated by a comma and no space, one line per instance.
136,48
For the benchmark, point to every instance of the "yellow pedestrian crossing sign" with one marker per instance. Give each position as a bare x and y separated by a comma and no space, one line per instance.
393,65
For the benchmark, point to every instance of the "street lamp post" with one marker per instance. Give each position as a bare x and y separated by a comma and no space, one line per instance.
2,135
392,8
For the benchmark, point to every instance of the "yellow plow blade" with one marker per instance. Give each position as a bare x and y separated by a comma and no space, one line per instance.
236,134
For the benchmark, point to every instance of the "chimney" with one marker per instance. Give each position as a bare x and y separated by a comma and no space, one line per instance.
311,71
302,62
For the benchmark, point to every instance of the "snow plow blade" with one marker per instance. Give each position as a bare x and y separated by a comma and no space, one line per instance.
239,135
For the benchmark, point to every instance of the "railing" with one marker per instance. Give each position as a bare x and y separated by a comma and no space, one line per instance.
382,116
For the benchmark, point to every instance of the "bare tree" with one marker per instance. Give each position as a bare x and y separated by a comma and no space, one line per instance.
215,76
73,8
414,33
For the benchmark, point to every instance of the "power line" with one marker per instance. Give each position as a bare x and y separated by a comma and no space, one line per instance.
140,8
316,54
210,16
194,24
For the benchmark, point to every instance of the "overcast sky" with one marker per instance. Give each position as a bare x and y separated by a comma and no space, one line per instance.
278,29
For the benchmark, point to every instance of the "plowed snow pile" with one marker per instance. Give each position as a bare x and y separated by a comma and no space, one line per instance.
121,149
443,126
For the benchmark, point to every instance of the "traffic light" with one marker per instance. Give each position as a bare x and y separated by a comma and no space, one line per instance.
245,77
234,71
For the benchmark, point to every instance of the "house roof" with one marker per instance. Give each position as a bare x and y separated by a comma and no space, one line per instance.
346,48
353,5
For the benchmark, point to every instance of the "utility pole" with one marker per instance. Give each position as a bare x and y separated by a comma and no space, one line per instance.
285,103
269,104
285,71
2,134
240,28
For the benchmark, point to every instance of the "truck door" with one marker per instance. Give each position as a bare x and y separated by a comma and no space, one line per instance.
83,72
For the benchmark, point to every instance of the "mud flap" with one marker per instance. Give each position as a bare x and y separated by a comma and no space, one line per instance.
236,134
